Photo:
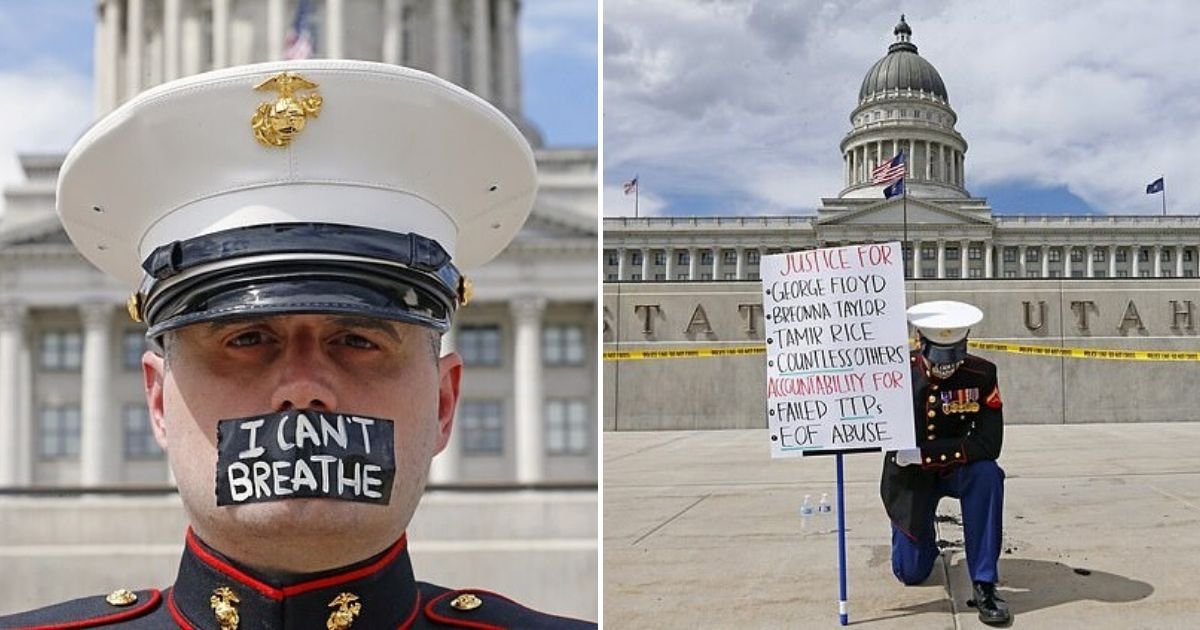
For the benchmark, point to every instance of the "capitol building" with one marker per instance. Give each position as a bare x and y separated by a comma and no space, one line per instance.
518,510
903,105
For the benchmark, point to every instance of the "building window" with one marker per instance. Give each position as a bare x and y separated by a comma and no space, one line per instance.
612,277
752,256
660,276
139,435
483,426
754,276
637,277
683,258
1143,255
1033,254
1077,273
928,273
1100,273
660,258
974,252
1010,254
681,276
58,433
1166,255
952,272
1031,273
706,257
1143,273
1054,255
635,258
1122,255
1122,273
1187,255
1098,255
928,252
133,345
706,276
562,344
613,259
1010,274
61,350
479,345
1166,273
731,275
730,257
974,273
952,253
1189,273
567,427
1076,254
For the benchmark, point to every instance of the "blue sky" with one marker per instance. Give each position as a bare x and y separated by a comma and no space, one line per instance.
46,68
1068,107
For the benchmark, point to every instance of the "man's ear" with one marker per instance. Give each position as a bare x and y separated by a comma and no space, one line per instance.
449,376
154,371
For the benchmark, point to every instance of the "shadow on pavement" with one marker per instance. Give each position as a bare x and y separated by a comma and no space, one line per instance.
1027,585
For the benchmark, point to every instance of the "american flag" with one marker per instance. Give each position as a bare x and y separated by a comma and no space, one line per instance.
300,39
631,186
889,171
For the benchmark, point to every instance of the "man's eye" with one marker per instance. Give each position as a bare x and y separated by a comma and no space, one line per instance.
248,338
356,341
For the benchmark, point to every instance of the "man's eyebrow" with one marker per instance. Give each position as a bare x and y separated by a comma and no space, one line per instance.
352,321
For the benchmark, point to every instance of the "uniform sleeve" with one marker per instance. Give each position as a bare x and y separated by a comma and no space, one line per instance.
983,438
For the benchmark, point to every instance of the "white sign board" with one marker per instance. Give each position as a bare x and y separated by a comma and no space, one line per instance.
838,375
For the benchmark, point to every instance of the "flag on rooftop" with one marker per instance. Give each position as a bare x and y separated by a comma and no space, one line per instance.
300,40
630,186
1155,186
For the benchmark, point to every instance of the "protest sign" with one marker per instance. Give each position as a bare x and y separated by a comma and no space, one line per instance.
838,376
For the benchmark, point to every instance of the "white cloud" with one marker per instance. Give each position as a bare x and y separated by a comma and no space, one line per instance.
44,110
559,26
750,98
618,204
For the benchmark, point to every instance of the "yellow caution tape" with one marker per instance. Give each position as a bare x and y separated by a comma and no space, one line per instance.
1011,348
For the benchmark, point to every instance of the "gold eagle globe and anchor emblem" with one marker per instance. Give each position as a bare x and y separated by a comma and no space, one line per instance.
348,609
223,602
275,124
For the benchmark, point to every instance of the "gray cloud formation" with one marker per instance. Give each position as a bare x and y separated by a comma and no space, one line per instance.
748,99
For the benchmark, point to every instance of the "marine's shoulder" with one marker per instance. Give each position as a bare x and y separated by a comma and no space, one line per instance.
979,365
476,608
121,608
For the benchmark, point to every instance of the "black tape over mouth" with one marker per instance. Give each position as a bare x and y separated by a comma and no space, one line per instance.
943,354
305,453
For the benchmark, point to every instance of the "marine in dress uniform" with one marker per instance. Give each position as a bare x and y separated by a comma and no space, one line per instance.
960,430
296,236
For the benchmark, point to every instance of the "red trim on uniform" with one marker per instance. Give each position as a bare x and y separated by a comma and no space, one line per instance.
278,594
993,399
462,623
179,618
904,531
155,597
412,616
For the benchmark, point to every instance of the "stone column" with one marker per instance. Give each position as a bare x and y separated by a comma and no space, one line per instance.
506,30
134,36
1021,260
12,340
335,29
987,260
716,266
530,450
171,39
1112,261
670,266
276,31
220,33
1157,261
916,258
481,50
620,264
100,451
1042,254
443,35
693,264
1135,252
444,468
191,41
941,259
1178,261
645,264
1067,251
928,159
963,246
1089,255
740,268
393,13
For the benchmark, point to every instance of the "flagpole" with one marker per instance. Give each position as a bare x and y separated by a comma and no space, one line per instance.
637,185
904,179
1164,196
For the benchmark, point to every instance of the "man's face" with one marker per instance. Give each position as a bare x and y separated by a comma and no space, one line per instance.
264,365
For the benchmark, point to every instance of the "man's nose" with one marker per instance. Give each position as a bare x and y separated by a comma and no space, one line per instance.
305,378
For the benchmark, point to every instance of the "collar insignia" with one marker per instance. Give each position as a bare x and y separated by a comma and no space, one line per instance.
275,124
348,609
223,602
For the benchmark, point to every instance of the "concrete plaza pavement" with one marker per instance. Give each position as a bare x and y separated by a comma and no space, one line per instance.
702,530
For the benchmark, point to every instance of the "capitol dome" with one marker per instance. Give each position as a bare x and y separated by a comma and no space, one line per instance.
902,69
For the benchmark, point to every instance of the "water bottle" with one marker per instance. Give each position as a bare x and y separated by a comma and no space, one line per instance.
825,514
806,511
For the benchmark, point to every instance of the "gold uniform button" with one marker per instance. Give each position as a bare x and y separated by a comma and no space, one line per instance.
943,458
932,413
933,399
466,601
930,427
931,437
957,455
928,460
933,387
121,597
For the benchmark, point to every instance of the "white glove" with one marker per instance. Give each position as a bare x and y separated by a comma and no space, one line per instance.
908,456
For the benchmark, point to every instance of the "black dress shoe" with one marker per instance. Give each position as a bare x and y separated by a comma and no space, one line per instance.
992,609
